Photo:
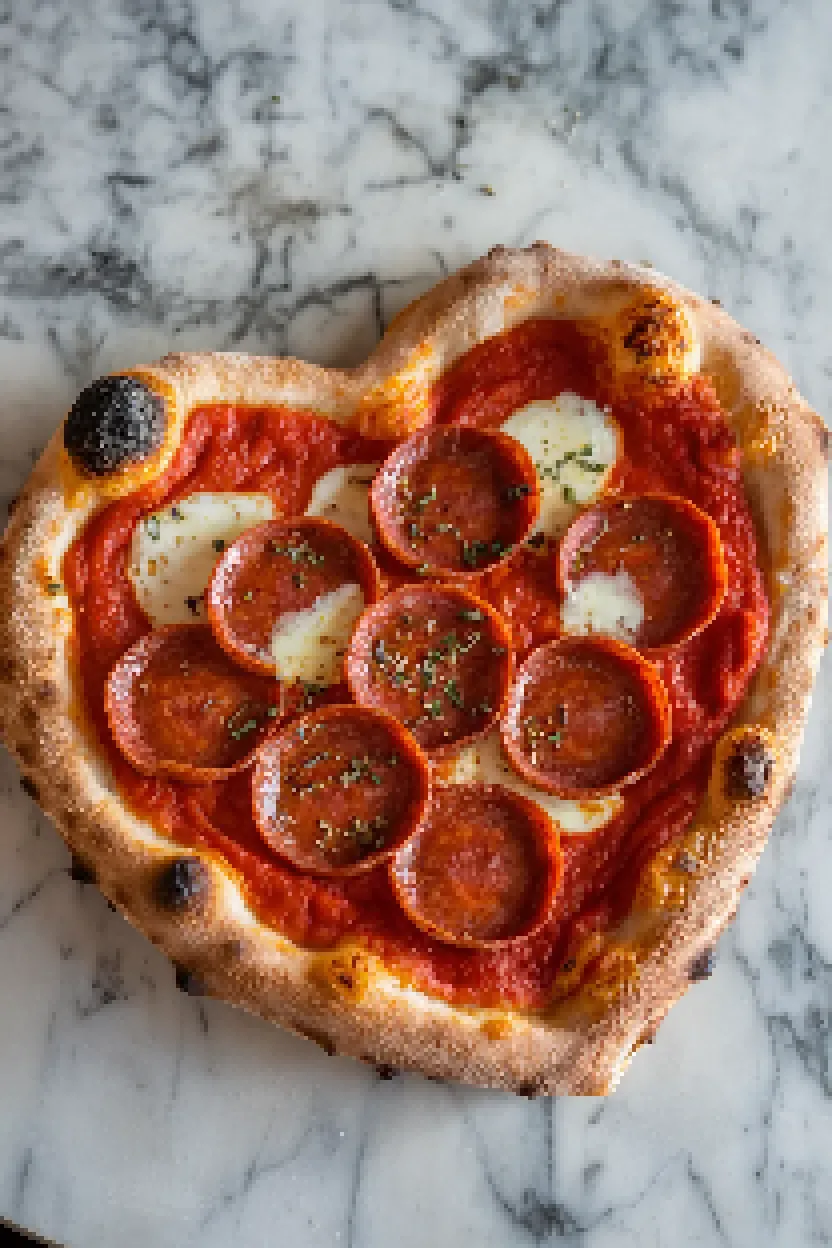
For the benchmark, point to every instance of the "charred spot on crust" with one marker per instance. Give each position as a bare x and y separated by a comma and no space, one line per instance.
181,882
82,874
685,861
29,788
702,966
644,336
233,949
345,975
747,769
27,754
72,823
114,422
345,978
384,1071
530,1090
190,982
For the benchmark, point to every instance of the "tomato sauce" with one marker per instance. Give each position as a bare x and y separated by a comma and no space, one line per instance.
674,440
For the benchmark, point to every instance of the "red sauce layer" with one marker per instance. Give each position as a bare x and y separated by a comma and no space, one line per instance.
677,441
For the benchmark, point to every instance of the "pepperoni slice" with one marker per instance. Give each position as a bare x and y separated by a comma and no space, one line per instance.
452,501
648,570
586,716
285,596
483,868
435,657
338,790
178,706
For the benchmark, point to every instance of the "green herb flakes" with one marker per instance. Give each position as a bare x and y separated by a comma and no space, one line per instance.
452,694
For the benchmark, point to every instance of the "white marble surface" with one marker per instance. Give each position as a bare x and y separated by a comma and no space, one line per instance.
153,192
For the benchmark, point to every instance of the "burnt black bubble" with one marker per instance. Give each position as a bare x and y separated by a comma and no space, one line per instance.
189,982
114,421
748,770
702,966
181,883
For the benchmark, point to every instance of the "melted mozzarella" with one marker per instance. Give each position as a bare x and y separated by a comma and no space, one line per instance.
609,605
573,444
484,762
174,551
343,496
310,645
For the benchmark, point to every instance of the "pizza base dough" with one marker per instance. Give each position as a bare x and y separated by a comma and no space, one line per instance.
345,999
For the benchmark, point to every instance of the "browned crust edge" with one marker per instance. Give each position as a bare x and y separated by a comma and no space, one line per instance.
346,1000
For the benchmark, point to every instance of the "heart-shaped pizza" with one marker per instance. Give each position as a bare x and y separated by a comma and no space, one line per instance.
438,709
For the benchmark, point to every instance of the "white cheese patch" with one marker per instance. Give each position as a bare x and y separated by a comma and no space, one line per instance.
484,762
310,645
573,444
606,605
343,496
174,551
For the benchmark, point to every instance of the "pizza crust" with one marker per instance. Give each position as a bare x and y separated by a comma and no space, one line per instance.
345,999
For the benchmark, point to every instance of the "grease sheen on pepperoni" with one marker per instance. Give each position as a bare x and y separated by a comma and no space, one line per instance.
666,551
435,657
453,501
339,789
482,869
285,596
585,717
178,706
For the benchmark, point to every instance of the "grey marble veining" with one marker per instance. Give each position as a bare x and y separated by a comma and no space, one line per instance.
283,177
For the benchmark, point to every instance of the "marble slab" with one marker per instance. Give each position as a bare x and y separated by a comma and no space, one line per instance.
283,177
